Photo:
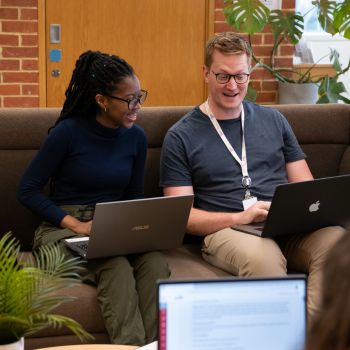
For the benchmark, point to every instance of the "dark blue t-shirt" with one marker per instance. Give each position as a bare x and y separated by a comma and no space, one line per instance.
193,154
88,163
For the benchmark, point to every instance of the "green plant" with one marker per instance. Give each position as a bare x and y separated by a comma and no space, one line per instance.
28,290
252,16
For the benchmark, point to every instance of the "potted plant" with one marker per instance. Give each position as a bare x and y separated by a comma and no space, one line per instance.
252,16
29,291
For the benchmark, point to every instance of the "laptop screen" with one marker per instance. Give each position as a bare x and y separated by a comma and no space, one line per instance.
244,314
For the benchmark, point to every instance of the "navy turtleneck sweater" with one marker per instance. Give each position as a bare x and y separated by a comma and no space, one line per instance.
89,163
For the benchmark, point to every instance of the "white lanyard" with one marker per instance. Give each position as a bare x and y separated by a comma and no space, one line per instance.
246,180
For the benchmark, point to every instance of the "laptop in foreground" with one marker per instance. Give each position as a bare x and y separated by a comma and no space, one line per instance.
302,207
134,226
235,313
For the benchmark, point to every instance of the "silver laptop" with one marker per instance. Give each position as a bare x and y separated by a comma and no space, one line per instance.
134,226
303,207
234,313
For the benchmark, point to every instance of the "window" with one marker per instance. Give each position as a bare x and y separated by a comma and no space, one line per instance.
320,42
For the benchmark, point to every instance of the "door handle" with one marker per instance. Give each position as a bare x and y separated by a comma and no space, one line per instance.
55,33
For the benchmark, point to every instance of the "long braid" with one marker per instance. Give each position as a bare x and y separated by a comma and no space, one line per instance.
95,72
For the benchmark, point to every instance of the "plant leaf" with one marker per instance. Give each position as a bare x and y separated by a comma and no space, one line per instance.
249,16
342,18
30,291
325,11
251,93
334,58
330,91
289,25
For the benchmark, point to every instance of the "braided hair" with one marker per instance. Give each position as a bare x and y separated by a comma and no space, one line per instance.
95,73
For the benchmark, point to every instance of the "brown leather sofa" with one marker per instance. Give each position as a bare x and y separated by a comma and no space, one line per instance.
322,130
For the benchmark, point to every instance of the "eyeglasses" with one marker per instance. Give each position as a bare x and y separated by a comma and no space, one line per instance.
133,102
223,78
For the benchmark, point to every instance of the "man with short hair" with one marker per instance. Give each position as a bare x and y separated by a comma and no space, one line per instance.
232,154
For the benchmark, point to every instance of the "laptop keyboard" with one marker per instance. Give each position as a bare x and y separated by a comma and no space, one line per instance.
258,225
83,246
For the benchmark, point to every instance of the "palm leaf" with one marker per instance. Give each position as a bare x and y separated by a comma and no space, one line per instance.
29,292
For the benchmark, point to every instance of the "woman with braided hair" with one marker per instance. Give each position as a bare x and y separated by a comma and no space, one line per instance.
95,153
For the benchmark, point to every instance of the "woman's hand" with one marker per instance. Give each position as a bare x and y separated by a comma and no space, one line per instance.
79,227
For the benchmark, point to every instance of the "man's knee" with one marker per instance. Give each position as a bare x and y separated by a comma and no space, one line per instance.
244,255
322,242
267,261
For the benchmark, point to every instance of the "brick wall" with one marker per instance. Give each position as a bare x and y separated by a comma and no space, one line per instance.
19,77
261,80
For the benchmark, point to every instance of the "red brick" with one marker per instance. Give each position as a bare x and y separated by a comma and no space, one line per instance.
20,27
221,27
219,16
267,97
284,62
268,39
269,86
9,89
9,65
288,4
266,29
8,13
262,51
255,84
219,4
286,50
20,77
20,3
256,39
8,40
29,64
30,40
30,89
29,14
21,101
261,74
20,52
266,60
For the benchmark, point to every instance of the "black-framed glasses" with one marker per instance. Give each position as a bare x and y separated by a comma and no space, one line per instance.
224,78
133,102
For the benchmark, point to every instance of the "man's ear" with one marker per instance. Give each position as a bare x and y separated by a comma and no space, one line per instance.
206,72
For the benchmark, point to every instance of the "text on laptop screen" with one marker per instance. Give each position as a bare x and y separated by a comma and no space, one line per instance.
233,314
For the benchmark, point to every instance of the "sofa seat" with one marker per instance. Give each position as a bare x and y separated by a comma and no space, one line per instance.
323,132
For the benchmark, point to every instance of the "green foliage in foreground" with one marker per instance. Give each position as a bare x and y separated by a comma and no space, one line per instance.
29,291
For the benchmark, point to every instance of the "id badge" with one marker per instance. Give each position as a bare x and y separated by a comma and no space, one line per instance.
248,202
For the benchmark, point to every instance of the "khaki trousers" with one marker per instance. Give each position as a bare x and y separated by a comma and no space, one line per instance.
245,255
126,285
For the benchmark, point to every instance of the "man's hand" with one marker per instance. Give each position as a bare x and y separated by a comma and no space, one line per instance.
79,227
256,213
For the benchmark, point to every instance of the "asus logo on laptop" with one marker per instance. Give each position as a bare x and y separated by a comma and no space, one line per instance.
140,227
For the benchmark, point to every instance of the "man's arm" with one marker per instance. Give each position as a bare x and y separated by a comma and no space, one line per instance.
202,223
298,171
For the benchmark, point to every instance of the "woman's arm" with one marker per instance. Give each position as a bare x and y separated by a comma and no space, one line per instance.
30,191
135,188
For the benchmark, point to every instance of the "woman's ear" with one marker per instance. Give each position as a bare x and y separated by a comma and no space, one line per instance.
101,101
